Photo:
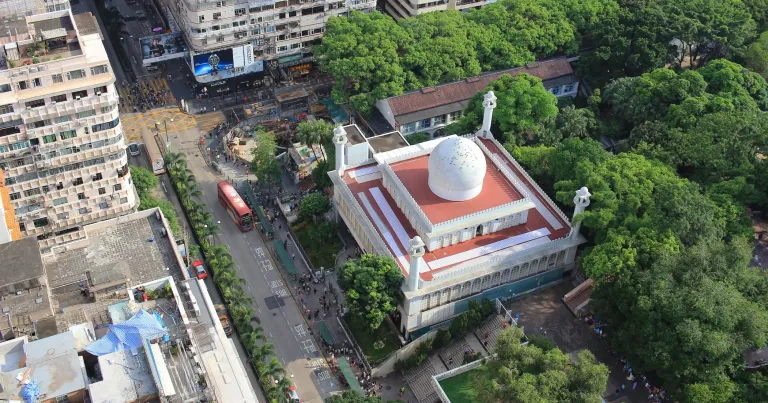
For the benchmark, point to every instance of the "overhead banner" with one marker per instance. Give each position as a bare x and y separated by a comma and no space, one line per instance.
214,62
162,47
225,64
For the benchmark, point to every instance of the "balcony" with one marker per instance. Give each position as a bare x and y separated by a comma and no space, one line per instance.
54,109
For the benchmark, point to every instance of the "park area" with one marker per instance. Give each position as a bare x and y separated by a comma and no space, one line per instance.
459,388
366,339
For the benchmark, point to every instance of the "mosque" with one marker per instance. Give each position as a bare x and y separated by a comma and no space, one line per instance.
462,219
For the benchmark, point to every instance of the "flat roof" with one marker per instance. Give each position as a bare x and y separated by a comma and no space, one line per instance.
354,135
125,378
53,363
86,23
134,250
21,261
544,222
497,191
287,94
387,142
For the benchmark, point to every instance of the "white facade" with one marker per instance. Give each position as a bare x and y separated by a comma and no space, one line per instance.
408,8
272,29
31,7
518,244
62,147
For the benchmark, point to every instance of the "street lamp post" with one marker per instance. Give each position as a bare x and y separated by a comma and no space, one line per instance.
165,124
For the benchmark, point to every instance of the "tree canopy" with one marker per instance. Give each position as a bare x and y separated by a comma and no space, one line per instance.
371,287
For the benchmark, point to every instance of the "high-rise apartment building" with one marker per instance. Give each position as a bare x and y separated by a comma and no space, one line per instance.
62,149
229,38
409,8
30,7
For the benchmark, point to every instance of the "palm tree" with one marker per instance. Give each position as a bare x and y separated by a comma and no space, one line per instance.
244,317
236,296
227,277
251,340
173,161
219,258
316,132
282,386
261,353
269,371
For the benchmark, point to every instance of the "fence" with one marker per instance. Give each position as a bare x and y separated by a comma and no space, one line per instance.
456,371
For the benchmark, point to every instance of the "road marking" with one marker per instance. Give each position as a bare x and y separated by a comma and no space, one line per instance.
270,335
259,309
317,363
259,252
323,376
282,293
249,288
301,331
308,346
276,283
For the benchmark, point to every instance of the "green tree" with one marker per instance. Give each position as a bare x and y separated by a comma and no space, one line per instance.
417,138
529,374
315,132
572,122
320,177
371,287
143,179
363,53
264,164
523,108
353,396
312,205
756,54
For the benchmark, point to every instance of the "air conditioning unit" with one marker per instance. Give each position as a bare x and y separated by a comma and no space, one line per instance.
98,93
53,102
77,98
33,200
33,69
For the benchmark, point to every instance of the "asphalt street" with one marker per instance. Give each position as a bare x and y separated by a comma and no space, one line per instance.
281,318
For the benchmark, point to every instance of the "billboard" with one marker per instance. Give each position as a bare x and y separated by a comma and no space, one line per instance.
207,63
162,47
225,64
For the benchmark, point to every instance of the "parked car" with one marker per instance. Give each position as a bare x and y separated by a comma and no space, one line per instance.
199,269
221,311
293,397
134,149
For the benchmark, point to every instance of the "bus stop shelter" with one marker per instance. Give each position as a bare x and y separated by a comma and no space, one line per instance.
263,219
284,258
349,375
325,332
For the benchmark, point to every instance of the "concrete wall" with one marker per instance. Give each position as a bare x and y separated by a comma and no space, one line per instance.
388,366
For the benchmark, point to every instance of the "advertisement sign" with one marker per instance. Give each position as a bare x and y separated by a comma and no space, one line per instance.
162,47
225,64
214,62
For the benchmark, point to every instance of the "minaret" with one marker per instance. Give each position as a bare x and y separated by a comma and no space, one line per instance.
340,139
581,200
489,103
416,252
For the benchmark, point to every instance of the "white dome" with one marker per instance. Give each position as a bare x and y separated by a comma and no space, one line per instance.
456,169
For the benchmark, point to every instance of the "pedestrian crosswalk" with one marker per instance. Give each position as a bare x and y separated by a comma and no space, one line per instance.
142,93
208,121
171,119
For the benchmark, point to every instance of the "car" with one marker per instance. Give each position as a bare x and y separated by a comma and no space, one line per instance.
199,269
293,397
134,149
225,324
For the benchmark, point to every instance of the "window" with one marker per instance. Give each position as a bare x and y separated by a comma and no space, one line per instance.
57,78
77,182
100,90
569,88
409,128
37,82
425,123
81,115
295,45
107,109
59,98
555,91
453,116
123,200
31,192
239,11
83,210
220,39
22,226
22,85
49,138
6,109
81,196
20,145
104,126
204,41
97,177
41,222
63,216
103,205
79,94
216,16
75,74
9,131
15,196
221,4
99,70
5,88
439,120
46,188
68,134
35,125
35,104
62,119
270,28
201,18
282,48
102,191
117,187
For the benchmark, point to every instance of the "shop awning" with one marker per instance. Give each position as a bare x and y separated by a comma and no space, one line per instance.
284,258
263,218
349,375
326,332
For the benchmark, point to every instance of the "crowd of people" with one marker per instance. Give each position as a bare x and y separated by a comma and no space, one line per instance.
369,385
142,96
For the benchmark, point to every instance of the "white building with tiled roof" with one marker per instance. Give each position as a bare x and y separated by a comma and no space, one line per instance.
459,215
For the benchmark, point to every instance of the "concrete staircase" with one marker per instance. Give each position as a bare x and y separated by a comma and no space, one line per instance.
419,380
491,327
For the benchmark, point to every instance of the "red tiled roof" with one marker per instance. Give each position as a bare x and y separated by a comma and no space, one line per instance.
465,89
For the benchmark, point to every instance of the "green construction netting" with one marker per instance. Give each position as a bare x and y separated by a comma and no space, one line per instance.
349,375
325,332
287,261
263,218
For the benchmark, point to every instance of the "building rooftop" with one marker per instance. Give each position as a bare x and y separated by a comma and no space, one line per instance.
462,91
354,135
544,221
21,264
387,142
126,377
86,24
51,362
289,93
133,251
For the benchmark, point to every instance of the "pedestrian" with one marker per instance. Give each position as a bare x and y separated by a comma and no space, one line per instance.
402,391
617,393
622,388
634,385
315,289
293,256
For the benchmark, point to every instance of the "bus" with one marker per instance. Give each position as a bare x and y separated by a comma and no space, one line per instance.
240,213
153,151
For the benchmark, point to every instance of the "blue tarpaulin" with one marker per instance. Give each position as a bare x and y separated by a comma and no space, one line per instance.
30,392
129,334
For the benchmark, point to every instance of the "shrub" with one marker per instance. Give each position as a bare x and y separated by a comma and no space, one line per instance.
442,339
542,342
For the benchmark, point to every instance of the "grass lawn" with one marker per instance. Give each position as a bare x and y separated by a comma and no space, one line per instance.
459,388
365,339
320,242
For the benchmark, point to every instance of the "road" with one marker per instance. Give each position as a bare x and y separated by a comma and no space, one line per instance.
280,317
142,161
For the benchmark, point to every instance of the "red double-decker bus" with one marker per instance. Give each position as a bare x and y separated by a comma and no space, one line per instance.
240,213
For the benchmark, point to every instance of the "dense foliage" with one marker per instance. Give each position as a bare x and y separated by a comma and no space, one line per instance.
371,287
145,181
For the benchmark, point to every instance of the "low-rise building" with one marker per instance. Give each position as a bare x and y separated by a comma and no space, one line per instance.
460,217
432,108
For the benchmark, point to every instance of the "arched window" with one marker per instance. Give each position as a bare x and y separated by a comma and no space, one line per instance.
495,279
476,286
445,296
466,289
505,276
542,265
524,270
434,300
561,258
552,260
486,283
515,274
456,293
425,302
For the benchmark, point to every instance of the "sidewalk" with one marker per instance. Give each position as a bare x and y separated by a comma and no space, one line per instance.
328,324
